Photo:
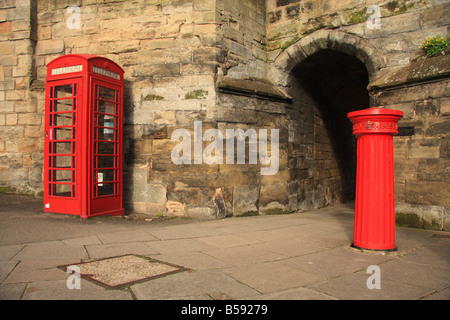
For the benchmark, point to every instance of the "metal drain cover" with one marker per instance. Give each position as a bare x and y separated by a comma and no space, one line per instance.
121,271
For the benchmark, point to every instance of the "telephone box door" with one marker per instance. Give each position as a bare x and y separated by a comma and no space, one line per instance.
62,135
106,153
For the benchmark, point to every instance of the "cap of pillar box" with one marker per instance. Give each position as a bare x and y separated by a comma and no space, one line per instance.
375,111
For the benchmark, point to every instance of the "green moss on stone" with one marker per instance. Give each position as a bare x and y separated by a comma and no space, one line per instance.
196,94
358,16
151,97
8,190
410,220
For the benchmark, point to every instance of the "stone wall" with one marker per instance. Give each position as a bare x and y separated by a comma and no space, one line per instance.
294,66
168,50
301,34
21,119
242,36
421,90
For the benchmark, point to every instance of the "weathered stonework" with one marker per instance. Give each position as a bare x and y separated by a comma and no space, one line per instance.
294,66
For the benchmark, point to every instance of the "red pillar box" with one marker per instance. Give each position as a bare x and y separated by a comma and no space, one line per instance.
375,201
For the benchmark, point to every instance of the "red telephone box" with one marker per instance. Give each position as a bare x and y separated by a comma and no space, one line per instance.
83,161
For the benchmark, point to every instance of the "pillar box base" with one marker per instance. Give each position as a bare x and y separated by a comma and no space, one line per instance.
375,201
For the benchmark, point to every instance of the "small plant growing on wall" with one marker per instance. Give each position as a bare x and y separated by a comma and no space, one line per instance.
435,45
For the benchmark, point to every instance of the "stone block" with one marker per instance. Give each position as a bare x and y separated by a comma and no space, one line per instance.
148,45
245,199
436,15
11,119
156,194
427,107
427,192
438,128
205,54
5,27
49,47
23,47
29,119
62,4
201,213
276,192
6,48
445,148
405,169
175,209
390,97
424,148
19,13
178,55
446,219
6,106
158,70
396,24
204,5
433,170
445,106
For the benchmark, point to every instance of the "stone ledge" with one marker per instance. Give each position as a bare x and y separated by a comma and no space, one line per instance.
419,70
253,87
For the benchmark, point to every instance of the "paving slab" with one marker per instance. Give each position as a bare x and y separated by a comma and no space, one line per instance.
51,250
353,286
293,294
126,236
12,291
438,295
271,276
99,251
335,262
244,255
82,241
228,241
188,284
5,269
8,252
179,246
305,255
429,276
35,275
193,260
57,290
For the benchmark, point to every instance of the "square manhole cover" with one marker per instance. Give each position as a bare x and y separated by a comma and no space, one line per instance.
121,271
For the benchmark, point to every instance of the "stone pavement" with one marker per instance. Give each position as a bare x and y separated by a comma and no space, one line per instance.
273,257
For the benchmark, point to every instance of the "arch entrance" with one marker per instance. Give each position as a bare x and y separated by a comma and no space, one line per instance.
324,86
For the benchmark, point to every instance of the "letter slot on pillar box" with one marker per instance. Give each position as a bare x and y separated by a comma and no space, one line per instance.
83,136
375,200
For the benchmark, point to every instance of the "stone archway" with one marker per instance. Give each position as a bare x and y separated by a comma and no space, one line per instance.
279,71
326,74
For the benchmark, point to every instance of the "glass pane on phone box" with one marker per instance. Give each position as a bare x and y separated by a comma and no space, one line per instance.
105,134
105,175
105,148
63,91
61,119
62,147
107,94
62,190
106,162
62,105
106,107
62,133
106,189
62,161
62,175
